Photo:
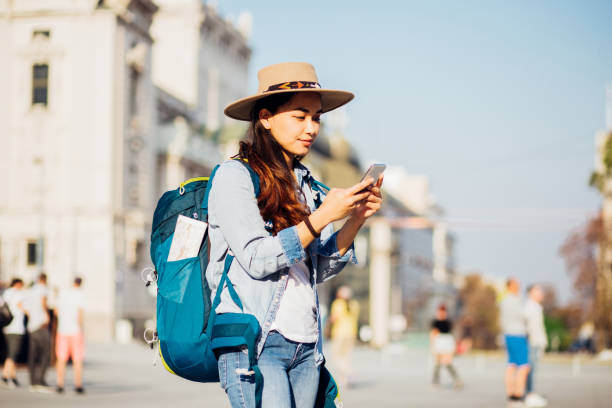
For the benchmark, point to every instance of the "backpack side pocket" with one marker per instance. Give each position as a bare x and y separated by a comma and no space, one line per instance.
174,277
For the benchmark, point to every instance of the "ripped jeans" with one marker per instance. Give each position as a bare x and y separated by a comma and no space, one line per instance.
290,375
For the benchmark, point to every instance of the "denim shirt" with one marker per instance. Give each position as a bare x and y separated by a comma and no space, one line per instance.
260,269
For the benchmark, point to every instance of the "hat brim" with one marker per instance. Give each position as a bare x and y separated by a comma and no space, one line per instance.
330,100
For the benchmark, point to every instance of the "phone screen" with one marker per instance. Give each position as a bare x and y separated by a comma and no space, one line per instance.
374,172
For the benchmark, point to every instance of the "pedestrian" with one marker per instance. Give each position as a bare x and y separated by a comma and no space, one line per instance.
70,341
443,346
536,336
38,332
283,245
585,341
515,334
5,318
343,318
14,332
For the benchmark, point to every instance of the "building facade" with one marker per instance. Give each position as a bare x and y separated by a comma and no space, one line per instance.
425,261
78,148
90,141
201,58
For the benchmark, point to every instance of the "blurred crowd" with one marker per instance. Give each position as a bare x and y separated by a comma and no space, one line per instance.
513,320
40,327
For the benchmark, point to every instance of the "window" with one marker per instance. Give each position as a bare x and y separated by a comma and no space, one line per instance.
40,84
32,253
134,82
41,34
137,253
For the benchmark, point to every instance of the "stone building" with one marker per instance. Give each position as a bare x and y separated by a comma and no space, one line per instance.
201,58
93,131
78,147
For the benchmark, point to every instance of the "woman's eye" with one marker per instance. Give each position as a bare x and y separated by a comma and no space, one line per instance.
317,119
300,117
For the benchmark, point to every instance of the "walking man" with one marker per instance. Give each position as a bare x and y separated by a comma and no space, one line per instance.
515,334
70,342
38,328
14,332
536,335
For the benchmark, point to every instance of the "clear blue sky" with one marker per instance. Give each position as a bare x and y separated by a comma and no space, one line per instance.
496,101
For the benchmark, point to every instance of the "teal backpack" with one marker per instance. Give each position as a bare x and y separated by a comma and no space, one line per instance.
188,330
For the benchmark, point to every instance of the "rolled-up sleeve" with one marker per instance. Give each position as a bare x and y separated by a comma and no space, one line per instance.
330,262
233,208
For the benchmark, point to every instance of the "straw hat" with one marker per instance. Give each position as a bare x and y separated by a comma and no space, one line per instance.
283,78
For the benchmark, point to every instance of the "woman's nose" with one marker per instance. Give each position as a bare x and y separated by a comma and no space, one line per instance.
311,127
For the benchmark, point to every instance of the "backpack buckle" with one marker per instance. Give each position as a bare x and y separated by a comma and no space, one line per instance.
149,275
150,337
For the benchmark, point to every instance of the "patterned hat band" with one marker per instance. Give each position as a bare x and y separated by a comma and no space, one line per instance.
293,85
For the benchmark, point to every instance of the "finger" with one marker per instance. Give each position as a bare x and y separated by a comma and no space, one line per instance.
360,186
380,180
360,196
375,190
372,206
371,199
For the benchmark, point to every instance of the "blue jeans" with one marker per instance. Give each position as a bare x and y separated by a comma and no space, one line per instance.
290,375
534,358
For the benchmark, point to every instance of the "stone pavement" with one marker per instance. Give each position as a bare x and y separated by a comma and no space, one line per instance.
123,376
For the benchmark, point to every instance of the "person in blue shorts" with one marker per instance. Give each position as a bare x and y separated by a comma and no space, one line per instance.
513,322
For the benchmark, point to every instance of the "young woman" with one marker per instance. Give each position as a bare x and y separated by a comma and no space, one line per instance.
283,245
443,346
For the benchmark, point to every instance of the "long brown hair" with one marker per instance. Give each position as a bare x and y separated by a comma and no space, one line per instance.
278,201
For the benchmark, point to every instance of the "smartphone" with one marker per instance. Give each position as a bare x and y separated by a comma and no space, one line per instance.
374,171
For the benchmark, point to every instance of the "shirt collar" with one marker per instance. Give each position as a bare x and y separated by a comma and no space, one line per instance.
301,173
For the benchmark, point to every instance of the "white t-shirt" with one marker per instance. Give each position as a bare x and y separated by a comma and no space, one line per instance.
512,316
535,324
69,302
296,318
13,297
33,304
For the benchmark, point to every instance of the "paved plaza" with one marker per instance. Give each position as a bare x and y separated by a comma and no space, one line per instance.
123,376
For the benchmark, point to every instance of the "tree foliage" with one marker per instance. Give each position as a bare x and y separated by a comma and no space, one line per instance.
580,254
598,178
479,303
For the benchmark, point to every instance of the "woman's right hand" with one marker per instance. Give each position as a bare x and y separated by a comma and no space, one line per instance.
340,202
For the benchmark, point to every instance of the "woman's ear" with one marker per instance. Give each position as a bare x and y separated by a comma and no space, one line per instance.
264,117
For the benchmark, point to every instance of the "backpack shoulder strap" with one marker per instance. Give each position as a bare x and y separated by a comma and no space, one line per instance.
320,191
320,186
225,279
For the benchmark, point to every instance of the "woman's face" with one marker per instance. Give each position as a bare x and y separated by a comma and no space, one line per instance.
295,125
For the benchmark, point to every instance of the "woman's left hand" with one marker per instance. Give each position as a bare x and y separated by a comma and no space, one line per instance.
370,205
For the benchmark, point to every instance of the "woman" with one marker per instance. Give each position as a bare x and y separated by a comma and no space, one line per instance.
443,345
283,245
